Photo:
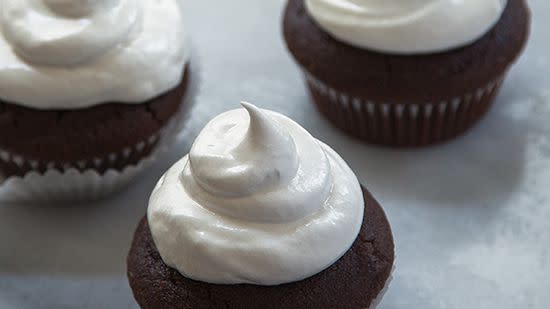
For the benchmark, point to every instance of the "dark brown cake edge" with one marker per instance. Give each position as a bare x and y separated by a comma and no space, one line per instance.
353,282
406,79
103,137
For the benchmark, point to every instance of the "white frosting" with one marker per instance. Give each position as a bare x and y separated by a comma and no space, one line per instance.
406,26
69,54
258,200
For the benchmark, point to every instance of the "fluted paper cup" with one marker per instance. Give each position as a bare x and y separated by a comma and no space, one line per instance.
403,124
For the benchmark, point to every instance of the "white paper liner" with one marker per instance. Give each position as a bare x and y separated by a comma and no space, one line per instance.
73,184
403,124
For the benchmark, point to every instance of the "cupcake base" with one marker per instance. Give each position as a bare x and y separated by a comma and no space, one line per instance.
402,125
108,136
90,153
355,281
70,183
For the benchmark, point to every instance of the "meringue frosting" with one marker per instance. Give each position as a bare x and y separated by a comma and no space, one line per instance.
67,54
406,26
257,200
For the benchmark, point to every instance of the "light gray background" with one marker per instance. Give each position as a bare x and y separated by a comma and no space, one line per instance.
471,218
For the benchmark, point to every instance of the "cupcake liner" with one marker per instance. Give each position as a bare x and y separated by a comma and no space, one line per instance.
72,183
402,124
124,157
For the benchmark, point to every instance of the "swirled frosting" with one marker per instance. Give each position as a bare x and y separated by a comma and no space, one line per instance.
69,54
258,200
406,26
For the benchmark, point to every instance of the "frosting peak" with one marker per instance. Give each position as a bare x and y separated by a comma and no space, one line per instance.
246,165
236,169
257,200
71,54
406,26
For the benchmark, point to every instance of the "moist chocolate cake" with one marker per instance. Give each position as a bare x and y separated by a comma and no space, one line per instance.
107,136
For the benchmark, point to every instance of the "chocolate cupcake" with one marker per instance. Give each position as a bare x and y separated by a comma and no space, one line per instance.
260,215
89,91
405,73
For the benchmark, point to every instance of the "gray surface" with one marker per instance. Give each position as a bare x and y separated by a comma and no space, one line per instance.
470,218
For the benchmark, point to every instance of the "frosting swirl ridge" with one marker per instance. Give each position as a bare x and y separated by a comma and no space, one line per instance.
406,26
50,32
257,200
71,54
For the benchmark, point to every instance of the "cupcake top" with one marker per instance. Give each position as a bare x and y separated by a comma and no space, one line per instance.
406,26
258,200
70,54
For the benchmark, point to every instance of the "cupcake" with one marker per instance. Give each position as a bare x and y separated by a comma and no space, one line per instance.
88,88
260,214
405,73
